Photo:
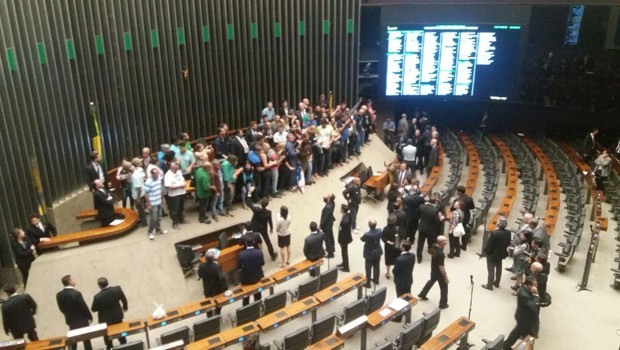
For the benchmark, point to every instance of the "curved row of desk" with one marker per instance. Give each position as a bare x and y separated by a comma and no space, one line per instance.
512,179
473,161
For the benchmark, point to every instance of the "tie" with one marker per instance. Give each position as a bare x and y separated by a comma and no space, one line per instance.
402,178
618,147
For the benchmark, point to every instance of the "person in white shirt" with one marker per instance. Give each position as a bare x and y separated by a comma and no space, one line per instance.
268,111
280,136
175,184
325,137
409,153
283,224
137,189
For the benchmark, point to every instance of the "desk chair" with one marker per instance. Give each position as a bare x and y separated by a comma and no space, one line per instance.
430,322
306,289
328,278
323,328
297,340
188,259
376,300
174,335
206,328
496,344
134,345
245,314
274,303
222,240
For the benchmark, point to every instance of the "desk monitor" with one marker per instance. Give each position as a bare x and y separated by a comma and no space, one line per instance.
411,335
308,288
328,278
206,328
323,328
134,345
431,320
297,340
354,310
376,300
275,302
174,335
248,313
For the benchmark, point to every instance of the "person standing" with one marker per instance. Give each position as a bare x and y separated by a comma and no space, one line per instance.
467,205
403,271
327,224
104,203
18,314
352,194
154,199
95,171
110,304
38,231
455,220
526,315
429,220
313,246
261,220
496,250
589,145
438,273
602,170
175,183
72,305
213,279
372,252
137,189
344,237
390,237
283,224
23,250
389,132
204,192
250,264
433,157
229,176
409,156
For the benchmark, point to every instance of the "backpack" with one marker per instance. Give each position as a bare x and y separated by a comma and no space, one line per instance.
254,158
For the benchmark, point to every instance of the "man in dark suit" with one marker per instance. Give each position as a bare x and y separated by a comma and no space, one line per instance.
239,147
250,264
23,250
327,224
372,252
467,205
220,145
401,175
38,230
528,300
104,203
249,235
313,246
95,171
252,134
413,201
344,237
403,271
352,194
17,314
261,220
433,157
72,305
213,280
108,304
589,146
429,221
496,251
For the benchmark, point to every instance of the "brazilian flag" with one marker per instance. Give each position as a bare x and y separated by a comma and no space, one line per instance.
95,133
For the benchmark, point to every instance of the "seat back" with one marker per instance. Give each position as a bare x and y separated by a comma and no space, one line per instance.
385,346
134,345
274,302
222,240
248,313
430,320
185,254
207,328
376,300
354,310
323,328
411,335
297,340
496,344
174,335
308,288
328,278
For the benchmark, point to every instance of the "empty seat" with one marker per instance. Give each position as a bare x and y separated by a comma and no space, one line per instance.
206,328
430,321
174,335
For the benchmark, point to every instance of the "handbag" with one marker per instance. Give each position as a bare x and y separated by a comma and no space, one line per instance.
459,230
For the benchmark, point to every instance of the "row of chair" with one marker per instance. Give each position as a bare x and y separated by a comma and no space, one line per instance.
510,168
489,158
454,151
528,172
414,334
473,161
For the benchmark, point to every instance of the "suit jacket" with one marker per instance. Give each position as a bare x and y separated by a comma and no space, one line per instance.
237,149
402,224
541,234
250,264
372,244
352,195
35,234
344,230
92,174
397,175
72,305
23,254
433,158
108,303
313,246
104,206
403,271
251,137
261,218
497,244
17,315
412,204
250,236
429,218
527,308
588,145
327,217
213,280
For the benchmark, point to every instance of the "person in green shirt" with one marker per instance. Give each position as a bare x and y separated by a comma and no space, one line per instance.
229,174
204,191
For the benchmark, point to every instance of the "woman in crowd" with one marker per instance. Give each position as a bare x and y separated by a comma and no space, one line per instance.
283,223
521,257
24,252
391,242
603,167
392,194
247,178
455,219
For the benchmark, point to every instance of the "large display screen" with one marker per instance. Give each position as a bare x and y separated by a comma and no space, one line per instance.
469,61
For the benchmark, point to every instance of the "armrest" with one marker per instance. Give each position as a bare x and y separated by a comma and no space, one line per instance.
278,345
233,320
293,294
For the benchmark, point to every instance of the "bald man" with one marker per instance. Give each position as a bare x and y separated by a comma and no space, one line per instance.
438,273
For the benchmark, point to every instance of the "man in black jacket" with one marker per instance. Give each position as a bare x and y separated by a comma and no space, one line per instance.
313,246
353,197
104,203
429,221
496,251
467,205
108,304
72,305
433,157
327,224
372,252
17,314
213,279
412,202
403,271
250,264
344,237
261,220
95,171
526,315
38,230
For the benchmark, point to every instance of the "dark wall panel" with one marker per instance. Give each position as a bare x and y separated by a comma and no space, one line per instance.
128,56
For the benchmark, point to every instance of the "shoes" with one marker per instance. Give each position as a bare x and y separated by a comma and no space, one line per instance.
509,269
422,298
176,227
277,195
450,256
367,285
457,255
162,232
387,275
229,214
274,256
513,278
151,237
496,285
515,288
341,268
444,306
339,265
164,214
205,221
215,218
487,286
287,263
222,214
144,224
464,247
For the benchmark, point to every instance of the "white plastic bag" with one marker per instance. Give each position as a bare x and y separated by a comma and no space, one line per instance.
159,312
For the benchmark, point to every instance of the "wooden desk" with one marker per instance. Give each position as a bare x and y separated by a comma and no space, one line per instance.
284,315
131,219
125,329
290,272
376,320
47,344
226,338
244,291
333,342
433,177
344,286
512,179
450,335
182,312
378,183
527,343
473,163
228,258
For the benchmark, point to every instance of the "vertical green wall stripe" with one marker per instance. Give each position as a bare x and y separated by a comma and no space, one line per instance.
206,35
277,29
11,59
350,26
254,30
127,41
154,39
325,26
41,53
99,44
70,49
181,36
302,28
230,31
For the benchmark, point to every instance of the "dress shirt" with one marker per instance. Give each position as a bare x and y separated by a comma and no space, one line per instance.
174,180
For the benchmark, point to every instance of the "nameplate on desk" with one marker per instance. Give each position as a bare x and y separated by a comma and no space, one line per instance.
292,269
173,313
357,278
248,328
55,342
280,314
463,323
214,341
308,302
334,289
265,280
91,331
205,303
135,324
